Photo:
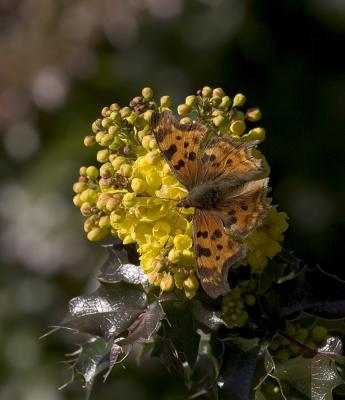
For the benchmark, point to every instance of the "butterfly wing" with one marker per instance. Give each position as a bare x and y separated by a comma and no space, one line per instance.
180,146
227,159
245,207
215,252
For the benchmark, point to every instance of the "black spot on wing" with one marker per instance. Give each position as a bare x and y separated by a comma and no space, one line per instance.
179,165
190,155
170,151
217,233
202,251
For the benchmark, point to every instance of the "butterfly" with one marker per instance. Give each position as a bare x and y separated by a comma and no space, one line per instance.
223,186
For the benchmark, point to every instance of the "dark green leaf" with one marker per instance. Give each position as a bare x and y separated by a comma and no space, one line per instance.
207,317
107,312
237,375
117,268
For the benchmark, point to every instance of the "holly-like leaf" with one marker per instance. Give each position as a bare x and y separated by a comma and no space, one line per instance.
237,375
312,290
117,268
208,318
107,312
92,359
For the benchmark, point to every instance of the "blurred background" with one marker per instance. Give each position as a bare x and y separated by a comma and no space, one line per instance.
62,61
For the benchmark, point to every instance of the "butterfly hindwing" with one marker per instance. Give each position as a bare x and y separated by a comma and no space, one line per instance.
215,252
226,158
244,208
180,146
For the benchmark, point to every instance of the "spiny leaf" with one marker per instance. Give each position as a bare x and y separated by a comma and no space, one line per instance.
117,268
107,312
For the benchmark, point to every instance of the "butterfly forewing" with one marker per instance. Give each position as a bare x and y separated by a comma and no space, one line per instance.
215,252
180,146
244,208
231,160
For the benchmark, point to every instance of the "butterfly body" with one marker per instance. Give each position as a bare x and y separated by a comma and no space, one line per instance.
223,186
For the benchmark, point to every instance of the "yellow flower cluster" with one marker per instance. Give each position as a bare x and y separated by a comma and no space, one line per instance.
133,194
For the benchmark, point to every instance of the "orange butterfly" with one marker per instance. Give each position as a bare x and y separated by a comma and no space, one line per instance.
222,188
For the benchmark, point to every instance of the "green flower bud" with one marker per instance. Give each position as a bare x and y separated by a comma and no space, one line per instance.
153,157
147,93
89,195
105,183
219,92
154,278
138,185
253,114
125,170
79,187
125,112
96,126
140,123
113,131
206,91
238,127
191,283
116,216
174,256
104,222
256,134
216,100
147,115
301,335
165,101
97,234
132,117
77,201
105,111
186,121
82,171
225,103
167,283
191,101
118,161
239,100
115,116
282,355
319,333
152,144
99,136
103,156
219,120
92,172
89,141
107,122
116,144
250,300
183,109
146,141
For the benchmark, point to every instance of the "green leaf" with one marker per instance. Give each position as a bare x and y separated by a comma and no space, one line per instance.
208,318
107,312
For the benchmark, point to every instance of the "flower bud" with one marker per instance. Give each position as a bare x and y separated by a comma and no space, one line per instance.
154,278
115,116
102,200
146,141
165,101
107,122
77,201
138,185
191,101
113,131
182,242
103,156
89,141
239,100
97,234
167,283
117,162
147,93
250,300
79,187
99,136
96,126
92,172
125,170
256,134
114,107
183,109
125,112
216,100
237,127
174,256
147,115
88,195
253,114
106,170
105,111
89,224
129,200
82,171
106,140
117,216
85,209
153,144
206,91
186,121
104,222
132,117
225,103
219,120
319,333
191,283
219,92
153,157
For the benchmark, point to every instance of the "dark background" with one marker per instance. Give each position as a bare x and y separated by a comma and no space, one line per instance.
62,61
